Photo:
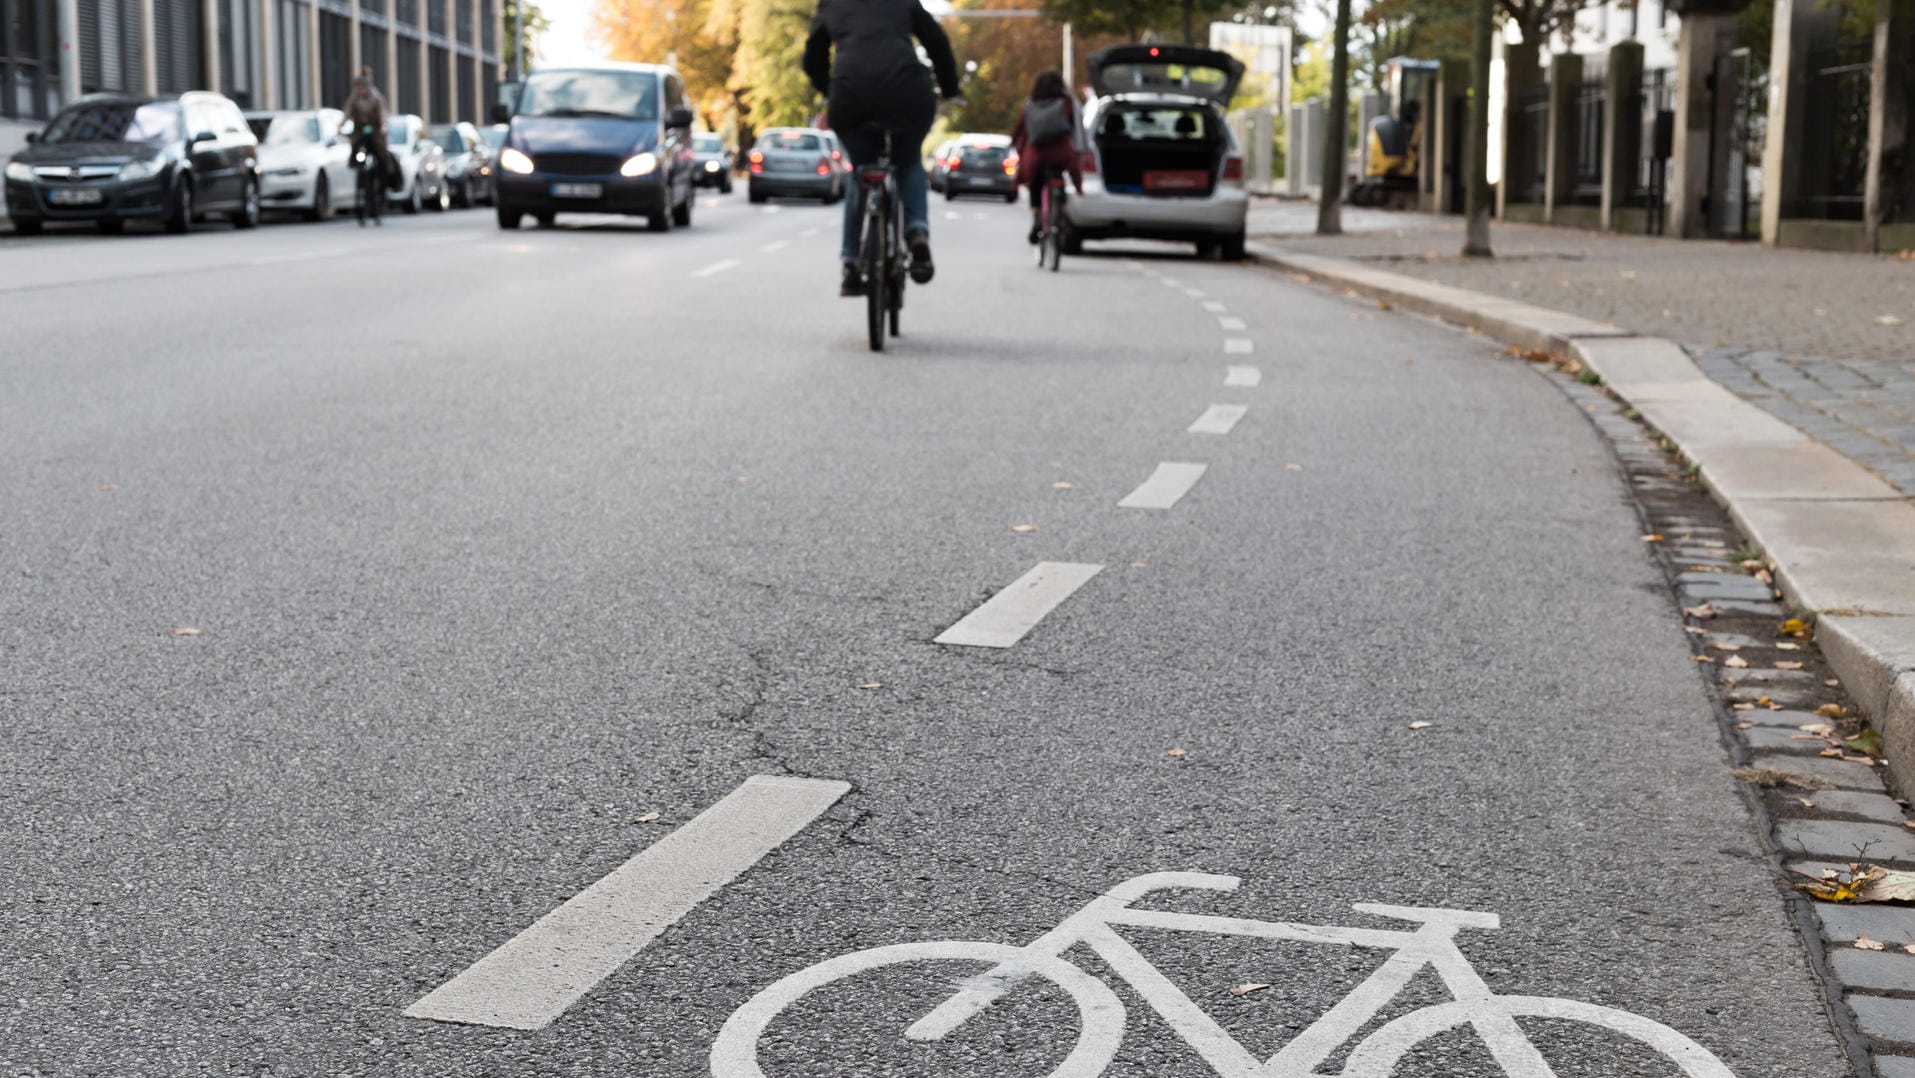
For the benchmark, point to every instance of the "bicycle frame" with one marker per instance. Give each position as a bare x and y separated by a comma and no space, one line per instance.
1431,945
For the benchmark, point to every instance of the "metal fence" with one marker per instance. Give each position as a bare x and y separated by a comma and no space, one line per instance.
1526,169
1592,100
1835,158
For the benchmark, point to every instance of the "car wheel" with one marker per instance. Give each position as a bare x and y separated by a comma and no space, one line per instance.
662,220
724,186
1233,248
322,200
950,195
179,217
416,201
247,216
1011,196
1206,249
509,218
545,219
1073,241
462,195
29,226
682,213
110,226
443,200
757,196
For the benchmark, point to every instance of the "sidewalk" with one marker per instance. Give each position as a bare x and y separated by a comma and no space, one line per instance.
1824,342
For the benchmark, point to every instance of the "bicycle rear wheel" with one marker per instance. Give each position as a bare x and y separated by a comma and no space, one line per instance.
1054,230
877,280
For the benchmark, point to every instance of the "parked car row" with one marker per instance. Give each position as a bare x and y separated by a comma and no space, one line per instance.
108,159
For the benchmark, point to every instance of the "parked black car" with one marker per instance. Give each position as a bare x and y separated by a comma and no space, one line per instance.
468,162
113,158
604,138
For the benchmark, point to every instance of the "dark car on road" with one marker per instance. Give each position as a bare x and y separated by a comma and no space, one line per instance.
114,158
795,162
468,162
981,165
603,138
714,162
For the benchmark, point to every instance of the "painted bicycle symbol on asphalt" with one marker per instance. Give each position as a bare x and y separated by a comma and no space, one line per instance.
1431,945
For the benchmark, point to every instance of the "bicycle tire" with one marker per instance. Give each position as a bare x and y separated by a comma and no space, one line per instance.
876,279
1380,1052
1054,228
734,1053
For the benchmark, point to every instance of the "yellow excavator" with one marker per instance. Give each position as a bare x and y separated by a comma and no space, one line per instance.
1391,147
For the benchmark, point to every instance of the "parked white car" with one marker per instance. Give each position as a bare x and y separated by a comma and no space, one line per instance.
1163,164
303,164
422,163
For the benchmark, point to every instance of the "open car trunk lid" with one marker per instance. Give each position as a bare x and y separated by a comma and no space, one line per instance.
1166,69
1160,150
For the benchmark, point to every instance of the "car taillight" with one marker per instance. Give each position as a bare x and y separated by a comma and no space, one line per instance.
1010,165
837,155
1088,162
757,161
953,162
1233,168
824,166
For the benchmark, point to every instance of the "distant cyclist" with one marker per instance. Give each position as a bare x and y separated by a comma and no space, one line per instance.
366,121
1049,140
877,78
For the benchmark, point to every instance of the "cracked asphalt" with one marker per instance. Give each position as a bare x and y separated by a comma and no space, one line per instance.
496,543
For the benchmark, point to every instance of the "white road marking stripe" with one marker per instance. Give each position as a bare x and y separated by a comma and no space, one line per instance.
1230,322
1197,293
717,268
302,256
953,215
710,203
1005,617
810,232
1218,419
1170,482
1171,282
1214,307
981,216
536,975
1238,346
775,246
1242,376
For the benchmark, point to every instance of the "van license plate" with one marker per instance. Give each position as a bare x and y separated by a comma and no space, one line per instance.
76,196
578,190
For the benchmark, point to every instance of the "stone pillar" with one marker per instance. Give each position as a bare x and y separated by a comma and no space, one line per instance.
1263,136
1704,39
1794,30
1521,73
1890,193
1621,129
316,84
475,92
66,24
209,43
268,56
1559,170
425,68
391,87
1369,106
357,60
1293,151
149,51
1313,119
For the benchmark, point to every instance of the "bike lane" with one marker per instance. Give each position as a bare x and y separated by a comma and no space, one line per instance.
1399,645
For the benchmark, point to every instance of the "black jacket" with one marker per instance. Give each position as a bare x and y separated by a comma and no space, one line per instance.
877,75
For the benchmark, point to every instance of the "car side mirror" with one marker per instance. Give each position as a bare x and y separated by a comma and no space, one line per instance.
680,117
33,136
501,113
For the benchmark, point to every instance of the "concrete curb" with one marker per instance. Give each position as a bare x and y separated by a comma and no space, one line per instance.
1842,540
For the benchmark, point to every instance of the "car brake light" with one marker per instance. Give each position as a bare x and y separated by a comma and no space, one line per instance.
1233,168
837,155
1010,165
824,166
757,158
953,161
1153,50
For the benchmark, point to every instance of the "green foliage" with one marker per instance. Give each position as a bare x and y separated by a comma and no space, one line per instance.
534,27
1423,29
768,70
1133,19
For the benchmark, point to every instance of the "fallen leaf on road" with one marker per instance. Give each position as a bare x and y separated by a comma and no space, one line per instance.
1703,568
871,685
647,818
1698,630
1139,564
1700,659
1787,665
1868,743
1723,645
1833,711
1178,752
1246,989
1023,529
1421,725
1628,275
1768,778
1736,661
1751,564
1385,305
1819,729
1867,944
109,487
1793,627
1836,753
1887,320
184,630
1293,467
1652,538
1764,576
1743,707
1060,486
1806,803
1786,646
1705,611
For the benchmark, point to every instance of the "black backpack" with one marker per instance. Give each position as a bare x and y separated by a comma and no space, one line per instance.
1050,121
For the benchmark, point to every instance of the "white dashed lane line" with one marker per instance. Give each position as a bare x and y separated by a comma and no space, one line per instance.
1238,346
775,246
536,975
717,268
1214,307
1005,617
1242,376
1196,293
1231,323
810,232
1218,419
1169,483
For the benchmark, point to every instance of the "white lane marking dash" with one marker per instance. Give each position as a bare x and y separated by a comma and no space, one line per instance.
1238,346
775,246
1231,323
1195,293
717,268
1171,282
536,975
1214,307
953,215
810,232
1218,419
1005,617
1242,376
1169,483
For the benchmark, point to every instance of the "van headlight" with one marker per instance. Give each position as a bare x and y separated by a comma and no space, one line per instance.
643,164
20,170
515,162
140,170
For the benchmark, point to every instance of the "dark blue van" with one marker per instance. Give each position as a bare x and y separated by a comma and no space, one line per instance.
598,138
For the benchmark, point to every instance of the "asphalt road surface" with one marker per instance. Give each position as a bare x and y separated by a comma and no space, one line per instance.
367,592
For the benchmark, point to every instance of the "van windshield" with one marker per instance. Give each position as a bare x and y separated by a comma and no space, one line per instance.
617,95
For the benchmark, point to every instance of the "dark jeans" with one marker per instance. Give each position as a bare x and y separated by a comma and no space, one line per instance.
907,165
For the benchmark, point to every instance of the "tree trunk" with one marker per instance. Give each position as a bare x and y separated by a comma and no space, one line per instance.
1335,142
1476,234
1190,22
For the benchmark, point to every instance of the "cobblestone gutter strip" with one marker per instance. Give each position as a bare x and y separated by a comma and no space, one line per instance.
1842,540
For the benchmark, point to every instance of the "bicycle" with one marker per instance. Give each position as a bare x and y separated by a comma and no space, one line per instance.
1052,221
370,180
881,256
734,1053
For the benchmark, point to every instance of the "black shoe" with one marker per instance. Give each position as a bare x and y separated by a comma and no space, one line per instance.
921,268
852,283
1036,234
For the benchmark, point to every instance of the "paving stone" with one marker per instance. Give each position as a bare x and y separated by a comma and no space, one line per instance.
1724,586
1884,971
1787,717
1880,807
1787,697
1784,739
1886,1019
1845,774
1893,925
1845,839
1738,606
1756,675
1894,1067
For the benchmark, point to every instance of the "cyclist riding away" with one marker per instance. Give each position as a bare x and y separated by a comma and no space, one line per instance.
876,78
366,122
1049,140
